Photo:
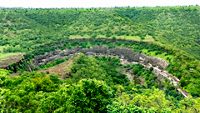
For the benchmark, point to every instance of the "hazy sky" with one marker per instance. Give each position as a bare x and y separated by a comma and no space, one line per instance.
93,3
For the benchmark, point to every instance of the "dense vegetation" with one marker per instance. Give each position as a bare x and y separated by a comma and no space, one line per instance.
98,84
176,26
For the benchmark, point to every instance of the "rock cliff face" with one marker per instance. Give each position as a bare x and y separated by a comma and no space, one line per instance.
124,53
157,62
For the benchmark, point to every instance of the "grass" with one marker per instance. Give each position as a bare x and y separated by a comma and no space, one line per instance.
147,38
7,59
2,48
62,69
164,55
134,38
6,55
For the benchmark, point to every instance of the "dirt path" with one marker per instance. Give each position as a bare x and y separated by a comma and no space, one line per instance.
62,69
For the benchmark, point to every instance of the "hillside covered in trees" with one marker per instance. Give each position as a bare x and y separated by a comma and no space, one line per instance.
100,60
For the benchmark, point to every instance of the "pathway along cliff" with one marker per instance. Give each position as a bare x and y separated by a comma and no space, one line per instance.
126,55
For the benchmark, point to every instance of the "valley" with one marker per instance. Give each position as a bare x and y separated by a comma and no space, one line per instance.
104,60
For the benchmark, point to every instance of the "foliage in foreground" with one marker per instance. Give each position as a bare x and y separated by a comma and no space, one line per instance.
47,93
92,88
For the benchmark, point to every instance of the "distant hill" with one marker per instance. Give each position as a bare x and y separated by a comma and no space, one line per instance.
172,26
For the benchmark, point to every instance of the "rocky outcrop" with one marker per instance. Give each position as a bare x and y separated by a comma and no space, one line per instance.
124,53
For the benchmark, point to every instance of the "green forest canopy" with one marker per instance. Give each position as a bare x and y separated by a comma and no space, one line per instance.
171,33
174,26
95,85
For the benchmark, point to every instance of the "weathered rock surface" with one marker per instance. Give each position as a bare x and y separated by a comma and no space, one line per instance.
124,53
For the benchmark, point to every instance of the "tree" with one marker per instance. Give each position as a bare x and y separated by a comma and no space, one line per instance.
90,96
151,100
